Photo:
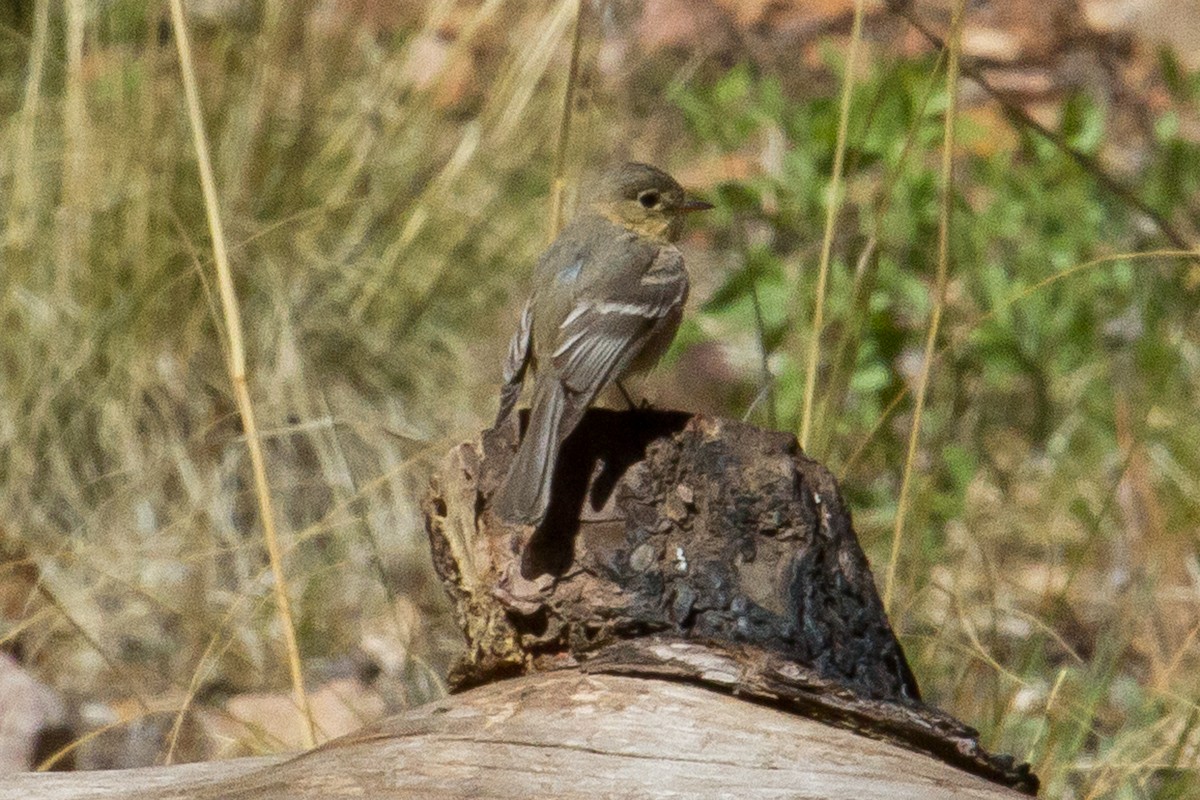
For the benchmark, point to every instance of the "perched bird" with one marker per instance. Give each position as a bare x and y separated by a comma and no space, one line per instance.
607,298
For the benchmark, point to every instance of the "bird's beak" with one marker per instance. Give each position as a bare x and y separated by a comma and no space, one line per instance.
688,206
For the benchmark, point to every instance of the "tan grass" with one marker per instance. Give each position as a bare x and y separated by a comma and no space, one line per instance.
151,544
559,180
362,202
20,222
834,201
939,298
237,371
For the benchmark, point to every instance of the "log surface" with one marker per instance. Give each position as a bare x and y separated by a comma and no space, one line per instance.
688,547
694,618
560,735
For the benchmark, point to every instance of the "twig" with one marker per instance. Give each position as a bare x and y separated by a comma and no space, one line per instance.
1020,118
237,366
939,300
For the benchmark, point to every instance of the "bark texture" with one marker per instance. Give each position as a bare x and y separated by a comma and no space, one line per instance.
675,543
562,735
694,618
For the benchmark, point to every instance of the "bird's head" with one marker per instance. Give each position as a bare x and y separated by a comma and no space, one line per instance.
644,199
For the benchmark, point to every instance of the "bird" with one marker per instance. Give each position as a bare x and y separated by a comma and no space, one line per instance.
608,296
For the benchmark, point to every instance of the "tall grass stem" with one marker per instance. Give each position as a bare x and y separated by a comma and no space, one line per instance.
564,129
237,367
23,189
831,214
977,322
939,297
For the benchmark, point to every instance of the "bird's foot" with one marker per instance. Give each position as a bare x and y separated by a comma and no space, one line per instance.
641,405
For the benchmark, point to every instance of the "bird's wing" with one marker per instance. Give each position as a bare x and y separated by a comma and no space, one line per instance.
598,338
520,351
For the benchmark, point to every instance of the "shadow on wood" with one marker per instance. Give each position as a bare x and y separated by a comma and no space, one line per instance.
663,523
677,543
694,618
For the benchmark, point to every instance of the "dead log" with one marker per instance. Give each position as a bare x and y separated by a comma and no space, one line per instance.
694,618
562,735
689,548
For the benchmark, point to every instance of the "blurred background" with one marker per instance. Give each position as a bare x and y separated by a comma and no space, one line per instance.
384,172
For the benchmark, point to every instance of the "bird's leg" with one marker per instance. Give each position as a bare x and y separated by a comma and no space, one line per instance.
642,406
625,394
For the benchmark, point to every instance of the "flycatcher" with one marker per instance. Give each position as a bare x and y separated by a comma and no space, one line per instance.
607,299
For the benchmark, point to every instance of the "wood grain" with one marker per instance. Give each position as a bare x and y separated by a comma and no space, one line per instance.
560,735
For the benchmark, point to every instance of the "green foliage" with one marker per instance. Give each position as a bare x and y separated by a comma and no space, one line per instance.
383,218
1048,338
1023,218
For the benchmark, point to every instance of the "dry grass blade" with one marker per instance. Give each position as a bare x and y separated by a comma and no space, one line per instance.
834,204
517,89
237,366
130,683
72,233
767,391
564,130
1044,725
48,763
846,353
939,300
23,189
204,666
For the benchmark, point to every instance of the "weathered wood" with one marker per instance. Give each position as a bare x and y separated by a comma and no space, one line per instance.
693,619
662,522
559,735
127,783
674,543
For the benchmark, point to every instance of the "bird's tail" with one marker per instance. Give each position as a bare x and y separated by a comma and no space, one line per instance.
525,493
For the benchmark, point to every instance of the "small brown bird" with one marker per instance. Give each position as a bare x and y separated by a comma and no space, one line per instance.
607,299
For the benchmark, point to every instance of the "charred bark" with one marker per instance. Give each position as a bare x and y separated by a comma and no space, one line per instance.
690,548
694,618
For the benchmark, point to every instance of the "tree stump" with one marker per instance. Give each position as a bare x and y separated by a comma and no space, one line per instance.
694,618
689,548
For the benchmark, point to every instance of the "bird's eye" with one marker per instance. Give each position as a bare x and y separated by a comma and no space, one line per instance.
649,198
